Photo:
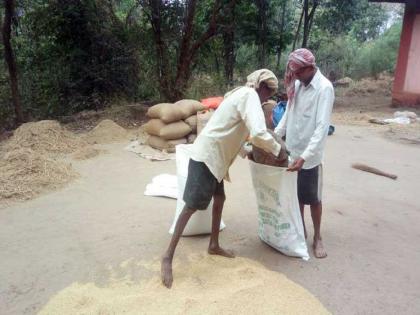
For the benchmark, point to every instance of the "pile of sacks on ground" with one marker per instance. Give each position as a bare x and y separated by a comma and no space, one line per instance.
175,123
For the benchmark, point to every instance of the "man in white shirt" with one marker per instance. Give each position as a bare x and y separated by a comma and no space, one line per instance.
305,124
238,117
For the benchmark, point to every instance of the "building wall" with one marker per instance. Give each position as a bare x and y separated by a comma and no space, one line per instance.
412,78
406,91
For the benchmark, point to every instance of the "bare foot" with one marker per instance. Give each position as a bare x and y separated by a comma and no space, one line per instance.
319,250
166,272
217,250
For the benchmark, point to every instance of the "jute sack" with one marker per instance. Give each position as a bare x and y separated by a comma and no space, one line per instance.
154,126
176,130
154,111
192,122
261,157
202,119
191,138
189,107
167,112
268,113
162,144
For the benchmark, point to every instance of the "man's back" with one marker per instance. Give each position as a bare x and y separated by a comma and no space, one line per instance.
220,141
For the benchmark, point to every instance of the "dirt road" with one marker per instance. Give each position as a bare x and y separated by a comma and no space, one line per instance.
370,229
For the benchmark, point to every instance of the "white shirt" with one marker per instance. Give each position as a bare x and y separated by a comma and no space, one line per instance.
239,115
307,119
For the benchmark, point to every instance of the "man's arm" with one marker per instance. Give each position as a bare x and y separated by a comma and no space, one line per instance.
323,115
253,116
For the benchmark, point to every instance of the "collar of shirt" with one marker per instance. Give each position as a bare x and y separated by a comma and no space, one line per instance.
316,79
315,82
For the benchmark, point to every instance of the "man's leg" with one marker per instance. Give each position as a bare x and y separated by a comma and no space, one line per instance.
166,263
214,247
302,213
316,213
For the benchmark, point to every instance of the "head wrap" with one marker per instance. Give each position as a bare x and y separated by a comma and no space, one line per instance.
263,75
256,78
298,59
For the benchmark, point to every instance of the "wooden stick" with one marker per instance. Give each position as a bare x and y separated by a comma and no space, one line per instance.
369,169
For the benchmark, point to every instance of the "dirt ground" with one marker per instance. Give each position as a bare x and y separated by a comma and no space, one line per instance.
102,220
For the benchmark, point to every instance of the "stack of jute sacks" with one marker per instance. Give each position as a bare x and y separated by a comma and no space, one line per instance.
172,124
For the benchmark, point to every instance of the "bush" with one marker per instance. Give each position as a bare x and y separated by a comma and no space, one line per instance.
71,55
379,55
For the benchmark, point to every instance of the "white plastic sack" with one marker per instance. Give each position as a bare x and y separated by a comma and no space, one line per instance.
200,221
279,219
411,115
398,120
163,185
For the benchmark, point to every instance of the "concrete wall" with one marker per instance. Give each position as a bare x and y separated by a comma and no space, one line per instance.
412,78
406,91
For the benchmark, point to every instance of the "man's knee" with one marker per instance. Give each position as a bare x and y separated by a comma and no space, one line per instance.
188,211
316,205
219,198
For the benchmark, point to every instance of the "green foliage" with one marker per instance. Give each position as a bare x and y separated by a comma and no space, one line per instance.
246,59
348,39
83,54
78,56
379,55
346,56
72,55
365,20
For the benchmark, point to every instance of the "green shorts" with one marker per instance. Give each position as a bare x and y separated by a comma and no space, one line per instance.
310,185
201,186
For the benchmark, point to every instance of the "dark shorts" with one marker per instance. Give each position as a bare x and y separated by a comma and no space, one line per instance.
201,186
310,185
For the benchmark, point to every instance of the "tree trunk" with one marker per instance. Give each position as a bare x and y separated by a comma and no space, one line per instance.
282,23
298,29
229,47
186,54
10,60
162,60
173,87
262,6
307,23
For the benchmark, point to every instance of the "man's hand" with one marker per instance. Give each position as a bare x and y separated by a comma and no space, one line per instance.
296,165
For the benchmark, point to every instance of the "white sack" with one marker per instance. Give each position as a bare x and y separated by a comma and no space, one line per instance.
279,220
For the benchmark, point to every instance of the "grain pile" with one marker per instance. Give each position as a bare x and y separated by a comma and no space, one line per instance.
46,136
31,160
86,153
205,285
106,131
24,173
382,85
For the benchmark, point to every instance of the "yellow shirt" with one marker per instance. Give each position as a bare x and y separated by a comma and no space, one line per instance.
239,115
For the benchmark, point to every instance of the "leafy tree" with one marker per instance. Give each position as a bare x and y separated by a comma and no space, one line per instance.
364,19
191,38
77,55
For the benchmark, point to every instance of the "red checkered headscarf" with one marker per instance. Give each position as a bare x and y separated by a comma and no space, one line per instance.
298,59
